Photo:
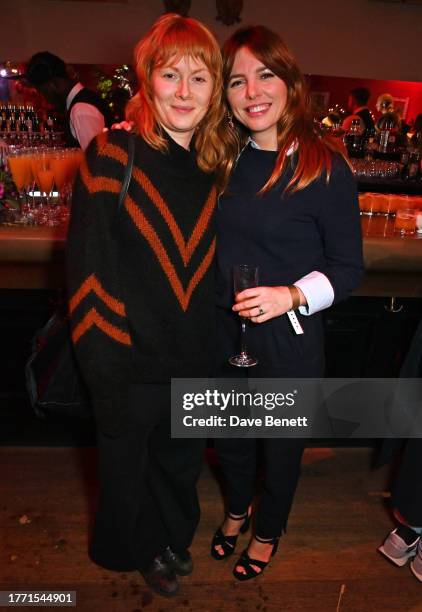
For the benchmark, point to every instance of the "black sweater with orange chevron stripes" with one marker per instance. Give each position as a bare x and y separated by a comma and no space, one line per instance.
140,280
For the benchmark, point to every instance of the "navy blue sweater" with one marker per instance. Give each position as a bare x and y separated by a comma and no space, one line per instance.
288,236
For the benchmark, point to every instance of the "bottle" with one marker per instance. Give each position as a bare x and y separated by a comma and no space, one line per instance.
49,124
384,137
12,123
35,124
413,165
353,138
21,125
369,144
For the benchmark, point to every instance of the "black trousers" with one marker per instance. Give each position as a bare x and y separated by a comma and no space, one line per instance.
406,494
148,497
280,355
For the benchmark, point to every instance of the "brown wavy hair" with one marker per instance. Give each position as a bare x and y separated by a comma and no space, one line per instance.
173,36
296,126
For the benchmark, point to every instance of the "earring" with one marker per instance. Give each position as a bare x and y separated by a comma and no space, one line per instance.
230,119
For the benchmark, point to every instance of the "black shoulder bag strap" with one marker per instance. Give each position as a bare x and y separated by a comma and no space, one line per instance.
128,171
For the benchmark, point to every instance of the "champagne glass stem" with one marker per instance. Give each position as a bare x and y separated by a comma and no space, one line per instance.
244,277
243,348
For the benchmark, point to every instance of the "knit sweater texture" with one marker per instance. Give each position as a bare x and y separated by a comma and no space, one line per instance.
140,279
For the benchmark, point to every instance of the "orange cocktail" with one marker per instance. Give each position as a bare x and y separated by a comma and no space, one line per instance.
59,167
405,222
74,160
21,171
45,180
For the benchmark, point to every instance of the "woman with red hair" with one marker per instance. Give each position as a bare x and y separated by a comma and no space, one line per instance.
141,285
290,207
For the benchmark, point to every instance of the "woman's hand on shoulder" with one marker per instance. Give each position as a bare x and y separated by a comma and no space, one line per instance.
123,125
260,304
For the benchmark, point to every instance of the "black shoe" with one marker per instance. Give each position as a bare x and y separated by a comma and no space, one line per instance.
246,562
228,543
160,578
180,563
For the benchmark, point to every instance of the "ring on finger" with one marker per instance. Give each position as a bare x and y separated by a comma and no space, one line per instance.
260,311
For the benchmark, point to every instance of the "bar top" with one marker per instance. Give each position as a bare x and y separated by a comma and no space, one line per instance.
386,250
33,257
31,244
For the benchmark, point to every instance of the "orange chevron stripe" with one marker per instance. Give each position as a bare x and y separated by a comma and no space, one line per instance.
115,152
101,140
186,250
93,284
202,223
94,184
155,243
200,272
94,318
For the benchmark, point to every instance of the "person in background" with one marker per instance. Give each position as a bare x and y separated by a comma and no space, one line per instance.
385,106
404,543
357,106
141,287
290,207
414,135
86,113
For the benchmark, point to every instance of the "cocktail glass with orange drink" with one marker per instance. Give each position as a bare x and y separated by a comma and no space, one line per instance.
20,169
74,159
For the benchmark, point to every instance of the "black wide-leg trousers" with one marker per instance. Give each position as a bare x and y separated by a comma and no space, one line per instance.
147,498
280,355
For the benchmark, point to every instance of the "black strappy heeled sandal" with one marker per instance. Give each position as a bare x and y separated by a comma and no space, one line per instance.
246,562
227,542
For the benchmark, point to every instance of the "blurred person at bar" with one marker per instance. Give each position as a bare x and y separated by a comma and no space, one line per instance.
357,106
290,207
414,134
404,543
85,111
385,106
391,120
141,282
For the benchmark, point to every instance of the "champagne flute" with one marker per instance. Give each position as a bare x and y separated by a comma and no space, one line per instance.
244,277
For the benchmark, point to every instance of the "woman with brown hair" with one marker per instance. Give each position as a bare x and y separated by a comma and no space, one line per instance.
141,286
290,207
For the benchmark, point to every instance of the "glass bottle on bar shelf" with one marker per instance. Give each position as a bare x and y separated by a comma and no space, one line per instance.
49,124
387,135
369,143
35,123
414,165
353,137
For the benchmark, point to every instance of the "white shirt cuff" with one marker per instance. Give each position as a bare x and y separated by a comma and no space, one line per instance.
318,291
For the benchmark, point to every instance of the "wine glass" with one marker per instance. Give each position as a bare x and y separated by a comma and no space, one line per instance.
244,277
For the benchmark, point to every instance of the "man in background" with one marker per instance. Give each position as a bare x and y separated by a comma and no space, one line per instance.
86,113
357,105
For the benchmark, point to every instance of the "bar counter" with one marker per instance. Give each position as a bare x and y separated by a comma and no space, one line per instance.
33,258
393,263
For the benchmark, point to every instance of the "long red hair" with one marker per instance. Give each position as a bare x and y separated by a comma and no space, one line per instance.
296,126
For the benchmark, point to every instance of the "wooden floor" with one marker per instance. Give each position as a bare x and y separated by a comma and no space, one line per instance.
47,498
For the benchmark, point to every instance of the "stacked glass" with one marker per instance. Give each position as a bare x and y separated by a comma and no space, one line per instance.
44,168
